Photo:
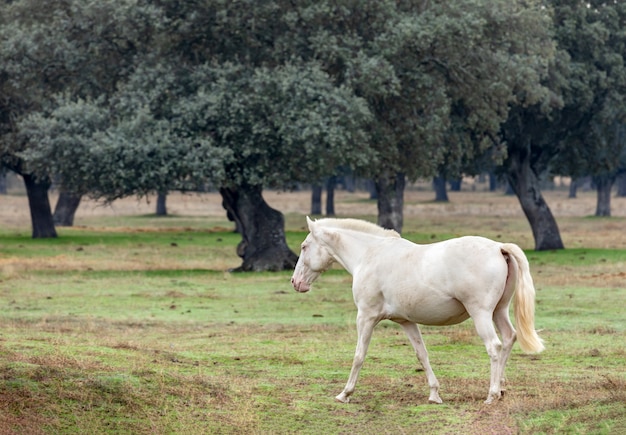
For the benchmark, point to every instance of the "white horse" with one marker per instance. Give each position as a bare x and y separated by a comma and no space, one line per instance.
442,283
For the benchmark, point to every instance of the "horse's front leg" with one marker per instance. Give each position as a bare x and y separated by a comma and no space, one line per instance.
365,326
415,337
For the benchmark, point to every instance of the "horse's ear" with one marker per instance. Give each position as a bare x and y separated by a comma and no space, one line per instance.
309,223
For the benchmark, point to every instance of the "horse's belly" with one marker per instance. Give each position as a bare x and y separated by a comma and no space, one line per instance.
441,313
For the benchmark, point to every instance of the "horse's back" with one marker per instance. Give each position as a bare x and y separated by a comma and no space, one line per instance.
462,254
468,267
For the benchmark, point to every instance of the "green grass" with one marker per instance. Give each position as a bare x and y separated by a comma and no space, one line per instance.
138,332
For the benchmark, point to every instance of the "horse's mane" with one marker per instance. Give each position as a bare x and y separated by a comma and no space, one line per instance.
357,225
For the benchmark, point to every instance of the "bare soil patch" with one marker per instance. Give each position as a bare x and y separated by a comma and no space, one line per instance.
492,214
418,202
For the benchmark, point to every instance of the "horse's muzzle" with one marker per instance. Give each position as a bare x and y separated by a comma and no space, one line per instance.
300,286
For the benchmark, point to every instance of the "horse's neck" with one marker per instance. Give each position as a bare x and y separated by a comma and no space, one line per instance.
351,247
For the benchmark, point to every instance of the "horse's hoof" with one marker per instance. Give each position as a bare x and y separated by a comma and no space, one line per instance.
436,401
342,398
492,398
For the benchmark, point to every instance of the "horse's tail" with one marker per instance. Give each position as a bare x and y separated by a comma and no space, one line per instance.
524,299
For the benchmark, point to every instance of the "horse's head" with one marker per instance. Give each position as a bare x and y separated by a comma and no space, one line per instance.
314,259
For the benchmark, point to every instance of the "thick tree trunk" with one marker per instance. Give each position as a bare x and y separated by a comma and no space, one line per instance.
390,199
316,199
161,204
330,196
40,212
65,209
439,183
263,245
526,186
604,184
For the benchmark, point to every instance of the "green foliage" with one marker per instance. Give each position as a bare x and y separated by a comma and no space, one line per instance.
90,153
578,130
595,40
169,95
282,125
166,120
491,57
63,51
67,46
63,139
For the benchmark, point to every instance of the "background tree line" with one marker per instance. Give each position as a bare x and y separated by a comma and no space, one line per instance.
118,98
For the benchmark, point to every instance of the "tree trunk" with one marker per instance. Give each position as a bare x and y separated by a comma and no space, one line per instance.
604,184
390,200
316,200
525,184
349,182
65,209
573,188
330,195
493,181
508,189
621,184
3,183
161,204
40,212
439,183
263,245
455,185
371,188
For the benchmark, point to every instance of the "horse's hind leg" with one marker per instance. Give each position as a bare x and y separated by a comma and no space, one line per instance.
507,332
486,331
415,337
365,327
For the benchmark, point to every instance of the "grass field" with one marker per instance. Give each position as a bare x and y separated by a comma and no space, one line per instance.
128,323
